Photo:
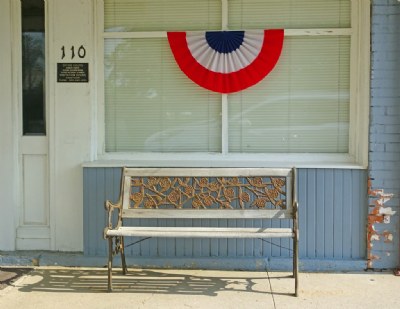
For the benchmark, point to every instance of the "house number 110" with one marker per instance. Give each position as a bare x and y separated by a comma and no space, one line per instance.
81,52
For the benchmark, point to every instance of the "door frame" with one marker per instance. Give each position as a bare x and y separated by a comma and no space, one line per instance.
33,235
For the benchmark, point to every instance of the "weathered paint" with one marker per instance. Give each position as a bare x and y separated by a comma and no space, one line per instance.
388,237
377,214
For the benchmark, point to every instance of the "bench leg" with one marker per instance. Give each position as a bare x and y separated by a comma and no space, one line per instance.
296,247
296,264
123,261
110,258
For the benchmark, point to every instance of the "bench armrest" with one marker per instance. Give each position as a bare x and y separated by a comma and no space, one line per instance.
110,207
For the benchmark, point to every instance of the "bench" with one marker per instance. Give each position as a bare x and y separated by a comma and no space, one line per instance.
202,193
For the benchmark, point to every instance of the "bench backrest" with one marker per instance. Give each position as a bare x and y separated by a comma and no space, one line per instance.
212,193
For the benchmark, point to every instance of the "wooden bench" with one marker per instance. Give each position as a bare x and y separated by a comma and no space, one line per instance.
203,193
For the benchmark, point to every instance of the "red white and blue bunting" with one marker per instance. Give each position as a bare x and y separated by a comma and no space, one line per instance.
226,61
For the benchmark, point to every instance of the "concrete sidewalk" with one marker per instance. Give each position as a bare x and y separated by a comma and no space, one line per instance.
59,287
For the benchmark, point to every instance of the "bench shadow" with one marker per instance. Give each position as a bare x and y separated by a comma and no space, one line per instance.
142,281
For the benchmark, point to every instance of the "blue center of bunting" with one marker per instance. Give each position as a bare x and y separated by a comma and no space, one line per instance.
224,41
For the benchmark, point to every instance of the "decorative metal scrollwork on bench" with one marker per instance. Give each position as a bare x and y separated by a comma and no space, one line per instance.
206,193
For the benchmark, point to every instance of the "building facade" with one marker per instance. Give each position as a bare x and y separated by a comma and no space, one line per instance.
112,95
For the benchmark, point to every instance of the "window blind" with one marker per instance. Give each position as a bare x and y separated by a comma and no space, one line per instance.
301,106
161,15
151,105
289,14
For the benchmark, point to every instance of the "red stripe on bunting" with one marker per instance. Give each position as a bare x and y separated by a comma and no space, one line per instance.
228,82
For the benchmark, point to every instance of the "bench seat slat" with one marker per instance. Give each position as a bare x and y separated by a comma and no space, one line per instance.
207,213
205,172
201,232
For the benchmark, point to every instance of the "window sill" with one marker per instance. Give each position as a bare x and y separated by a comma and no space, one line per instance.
336,161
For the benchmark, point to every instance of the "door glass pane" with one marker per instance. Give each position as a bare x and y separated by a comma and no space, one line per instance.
33,67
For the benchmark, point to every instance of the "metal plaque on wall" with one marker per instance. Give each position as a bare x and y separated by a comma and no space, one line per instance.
72,72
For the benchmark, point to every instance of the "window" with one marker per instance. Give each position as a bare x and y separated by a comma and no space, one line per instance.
307,105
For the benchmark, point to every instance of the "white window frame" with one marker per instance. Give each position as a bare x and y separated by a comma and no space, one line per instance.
356,158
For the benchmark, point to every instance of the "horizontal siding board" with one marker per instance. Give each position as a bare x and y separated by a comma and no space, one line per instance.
361,237
102,191
356,237
162,242
205,242
303,211
258,246
241,249
153,242
188,243
223,243
286,243
266,244
86,211
347,215
232,248
328,210
311,213
171,243
325,196
338,215
320,214
180,244
92,237
276,250
197,243
214,243
111,191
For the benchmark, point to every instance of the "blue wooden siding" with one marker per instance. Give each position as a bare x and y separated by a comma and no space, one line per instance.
333,211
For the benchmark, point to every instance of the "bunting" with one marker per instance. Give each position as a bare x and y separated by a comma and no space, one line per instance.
226,61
